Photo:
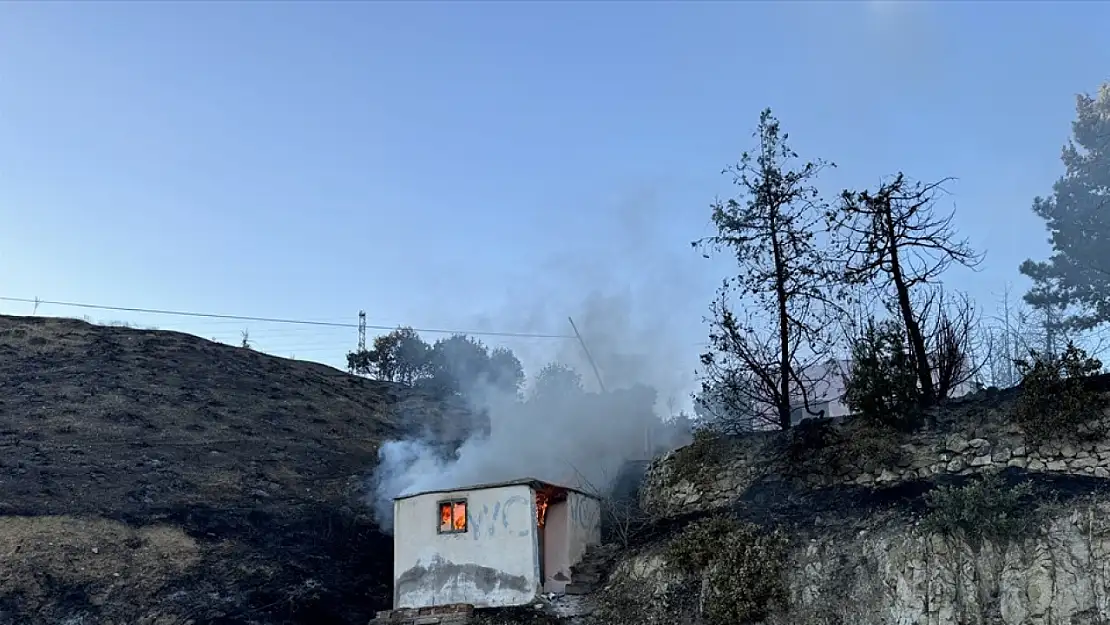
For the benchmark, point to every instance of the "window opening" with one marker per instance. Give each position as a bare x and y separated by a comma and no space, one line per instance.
452,516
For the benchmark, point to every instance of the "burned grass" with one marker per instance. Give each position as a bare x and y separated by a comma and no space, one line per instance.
156,477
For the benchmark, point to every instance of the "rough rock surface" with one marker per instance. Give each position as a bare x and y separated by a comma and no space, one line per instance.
858,553
897,574
986,441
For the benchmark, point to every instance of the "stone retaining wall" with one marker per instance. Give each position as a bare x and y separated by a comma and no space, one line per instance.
722,476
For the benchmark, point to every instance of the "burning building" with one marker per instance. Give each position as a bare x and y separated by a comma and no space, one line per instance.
489,545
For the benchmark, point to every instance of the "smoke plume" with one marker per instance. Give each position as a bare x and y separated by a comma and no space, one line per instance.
627,300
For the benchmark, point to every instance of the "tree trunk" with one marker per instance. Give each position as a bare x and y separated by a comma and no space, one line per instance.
784,333
913,329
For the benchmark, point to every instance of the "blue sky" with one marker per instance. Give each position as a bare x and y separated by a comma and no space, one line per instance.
489,165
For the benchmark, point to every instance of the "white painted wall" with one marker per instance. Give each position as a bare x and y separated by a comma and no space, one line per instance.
494,564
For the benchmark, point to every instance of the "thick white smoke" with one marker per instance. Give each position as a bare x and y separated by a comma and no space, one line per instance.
579,440
639,306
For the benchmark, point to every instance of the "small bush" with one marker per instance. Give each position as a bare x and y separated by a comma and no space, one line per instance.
876,445
810,437
986,508
698,544
743,567
1055,401
858,442
628,601
882,384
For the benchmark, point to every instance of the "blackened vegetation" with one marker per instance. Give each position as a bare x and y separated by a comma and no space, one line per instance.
523,615
72,601
327,565
255,465
285,563
622,518
816,446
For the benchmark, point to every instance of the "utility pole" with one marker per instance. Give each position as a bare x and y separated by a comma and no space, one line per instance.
589,358
361,331
648,438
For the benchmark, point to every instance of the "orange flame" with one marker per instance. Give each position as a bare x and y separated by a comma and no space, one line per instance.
452,516
460,516
444,517
541,508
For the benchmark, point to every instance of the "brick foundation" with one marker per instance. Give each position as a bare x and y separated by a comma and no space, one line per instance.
451,614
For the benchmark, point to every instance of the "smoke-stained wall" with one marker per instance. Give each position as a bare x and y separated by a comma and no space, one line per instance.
494,563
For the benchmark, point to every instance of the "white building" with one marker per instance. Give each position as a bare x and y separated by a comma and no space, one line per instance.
491,545
827,387
825,383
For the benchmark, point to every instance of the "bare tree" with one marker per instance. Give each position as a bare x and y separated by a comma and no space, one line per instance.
893,239
1009,335
622,518
757,359
953,342
1014,331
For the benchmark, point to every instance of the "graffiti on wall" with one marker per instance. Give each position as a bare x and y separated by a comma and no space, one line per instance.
487,522
584,512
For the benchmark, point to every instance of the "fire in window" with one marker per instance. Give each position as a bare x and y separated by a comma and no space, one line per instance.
452,516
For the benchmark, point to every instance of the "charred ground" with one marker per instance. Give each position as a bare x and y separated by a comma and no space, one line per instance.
155,477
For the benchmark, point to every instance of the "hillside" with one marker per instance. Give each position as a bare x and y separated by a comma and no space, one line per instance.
966,520
157,477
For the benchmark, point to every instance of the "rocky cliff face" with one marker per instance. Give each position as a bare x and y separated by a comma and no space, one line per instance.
689,479
898,574
857,549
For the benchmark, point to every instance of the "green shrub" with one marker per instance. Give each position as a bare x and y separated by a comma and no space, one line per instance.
881,386
742,563
1055,401
985,508
699,543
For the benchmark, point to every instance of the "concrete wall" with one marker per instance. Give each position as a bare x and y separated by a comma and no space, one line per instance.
585,525
556,557
571,526
494,563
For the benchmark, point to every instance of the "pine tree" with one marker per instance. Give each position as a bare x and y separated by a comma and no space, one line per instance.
1077,214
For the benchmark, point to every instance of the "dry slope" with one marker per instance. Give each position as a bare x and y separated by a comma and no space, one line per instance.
156,477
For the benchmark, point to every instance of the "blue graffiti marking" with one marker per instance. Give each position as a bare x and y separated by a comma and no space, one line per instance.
476,520
583,513
505,513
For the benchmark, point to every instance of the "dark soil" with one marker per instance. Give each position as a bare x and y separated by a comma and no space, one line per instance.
156,477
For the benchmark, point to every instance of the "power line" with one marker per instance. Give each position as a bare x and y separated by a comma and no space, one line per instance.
178,313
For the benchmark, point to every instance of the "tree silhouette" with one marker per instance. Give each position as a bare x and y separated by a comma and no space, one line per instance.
1077,214
757,358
